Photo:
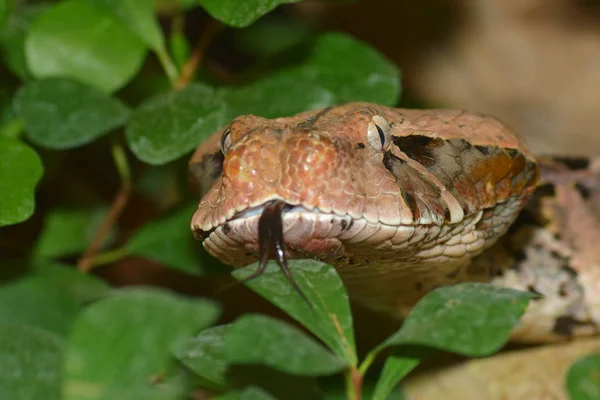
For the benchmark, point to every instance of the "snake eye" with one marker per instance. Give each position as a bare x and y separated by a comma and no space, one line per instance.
378,133
225,141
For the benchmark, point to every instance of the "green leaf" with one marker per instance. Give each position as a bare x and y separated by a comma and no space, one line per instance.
68,232
257,339
60,113
319,80
205,354
583,378
240,13
20,171
278,384
396,367
76,39
31,363
45,295
250,393
138,17
257,98
169,241
12,39
329,318
170,125
5,8
471,319
10,125
364,75
120,347
270,36
180,48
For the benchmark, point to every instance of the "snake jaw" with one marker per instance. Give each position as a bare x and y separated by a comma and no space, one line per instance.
272,244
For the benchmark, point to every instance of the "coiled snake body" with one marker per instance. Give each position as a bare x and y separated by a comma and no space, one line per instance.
400,201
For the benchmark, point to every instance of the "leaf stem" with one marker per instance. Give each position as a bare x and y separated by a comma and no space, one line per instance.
364,366
108,257
191,65
353,384
12,129
168,65
87,260
120,159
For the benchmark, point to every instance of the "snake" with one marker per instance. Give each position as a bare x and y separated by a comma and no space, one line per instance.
399,201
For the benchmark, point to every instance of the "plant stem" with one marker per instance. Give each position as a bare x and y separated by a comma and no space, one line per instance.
12,129
353,384
168,65
87,260
191,65
108,257
120,159
364,366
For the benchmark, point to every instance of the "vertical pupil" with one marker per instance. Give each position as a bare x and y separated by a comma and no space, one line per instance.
223,139
381,135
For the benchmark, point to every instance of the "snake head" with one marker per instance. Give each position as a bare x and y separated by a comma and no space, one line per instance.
361,184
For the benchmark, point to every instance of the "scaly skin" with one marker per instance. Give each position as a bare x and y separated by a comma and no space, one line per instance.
400,201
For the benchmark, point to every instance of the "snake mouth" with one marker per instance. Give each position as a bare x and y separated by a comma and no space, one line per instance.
271,242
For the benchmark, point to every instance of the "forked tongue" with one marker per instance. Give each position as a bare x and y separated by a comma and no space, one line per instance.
271,243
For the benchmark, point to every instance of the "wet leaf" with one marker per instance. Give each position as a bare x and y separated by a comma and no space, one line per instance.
120,347
257,339
583,378
329,318
31,363
20,171
170,125
108,55
61,113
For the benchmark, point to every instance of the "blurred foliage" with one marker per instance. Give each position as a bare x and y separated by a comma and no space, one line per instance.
111,96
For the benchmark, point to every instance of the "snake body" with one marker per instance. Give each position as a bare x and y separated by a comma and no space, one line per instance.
399,201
